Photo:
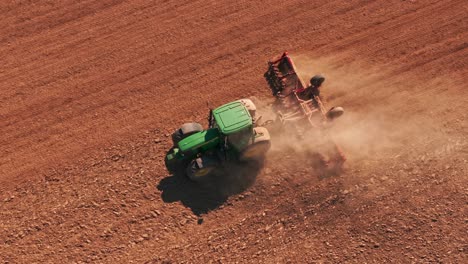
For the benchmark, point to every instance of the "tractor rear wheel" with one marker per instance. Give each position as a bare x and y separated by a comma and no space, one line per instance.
257,150
184,131
200,168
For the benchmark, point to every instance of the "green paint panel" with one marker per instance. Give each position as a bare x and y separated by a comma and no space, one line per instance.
232,117
200,141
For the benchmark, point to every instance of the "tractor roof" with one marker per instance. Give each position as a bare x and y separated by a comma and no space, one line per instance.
232,117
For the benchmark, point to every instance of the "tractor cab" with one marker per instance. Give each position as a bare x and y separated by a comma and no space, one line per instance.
235,123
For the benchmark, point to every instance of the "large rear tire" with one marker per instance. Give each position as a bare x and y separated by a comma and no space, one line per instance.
201,168
184,131
257,150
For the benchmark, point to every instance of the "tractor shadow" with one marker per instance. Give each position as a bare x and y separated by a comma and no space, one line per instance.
213,191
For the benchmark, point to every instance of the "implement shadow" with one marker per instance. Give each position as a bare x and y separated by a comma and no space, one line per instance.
202,197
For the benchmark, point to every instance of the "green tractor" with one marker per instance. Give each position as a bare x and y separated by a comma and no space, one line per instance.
232,136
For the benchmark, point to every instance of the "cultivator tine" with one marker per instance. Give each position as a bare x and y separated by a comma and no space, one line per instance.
340,157
274,80
336,158
291,116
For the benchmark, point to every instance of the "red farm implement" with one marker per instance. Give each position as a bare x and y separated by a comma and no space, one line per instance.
300,108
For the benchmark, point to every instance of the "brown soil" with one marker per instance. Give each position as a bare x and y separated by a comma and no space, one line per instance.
91,90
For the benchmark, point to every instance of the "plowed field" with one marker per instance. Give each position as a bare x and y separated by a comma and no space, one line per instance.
91,90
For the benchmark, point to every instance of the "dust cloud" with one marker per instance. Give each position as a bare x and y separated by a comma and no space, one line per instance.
386,115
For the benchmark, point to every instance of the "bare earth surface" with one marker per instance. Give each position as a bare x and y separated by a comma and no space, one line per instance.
91,90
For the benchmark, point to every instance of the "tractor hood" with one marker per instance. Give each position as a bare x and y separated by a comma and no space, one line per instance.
200,141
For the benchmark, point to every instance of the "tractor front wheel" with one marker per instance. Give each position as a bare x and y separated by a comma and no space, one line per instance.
172,162
184,131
